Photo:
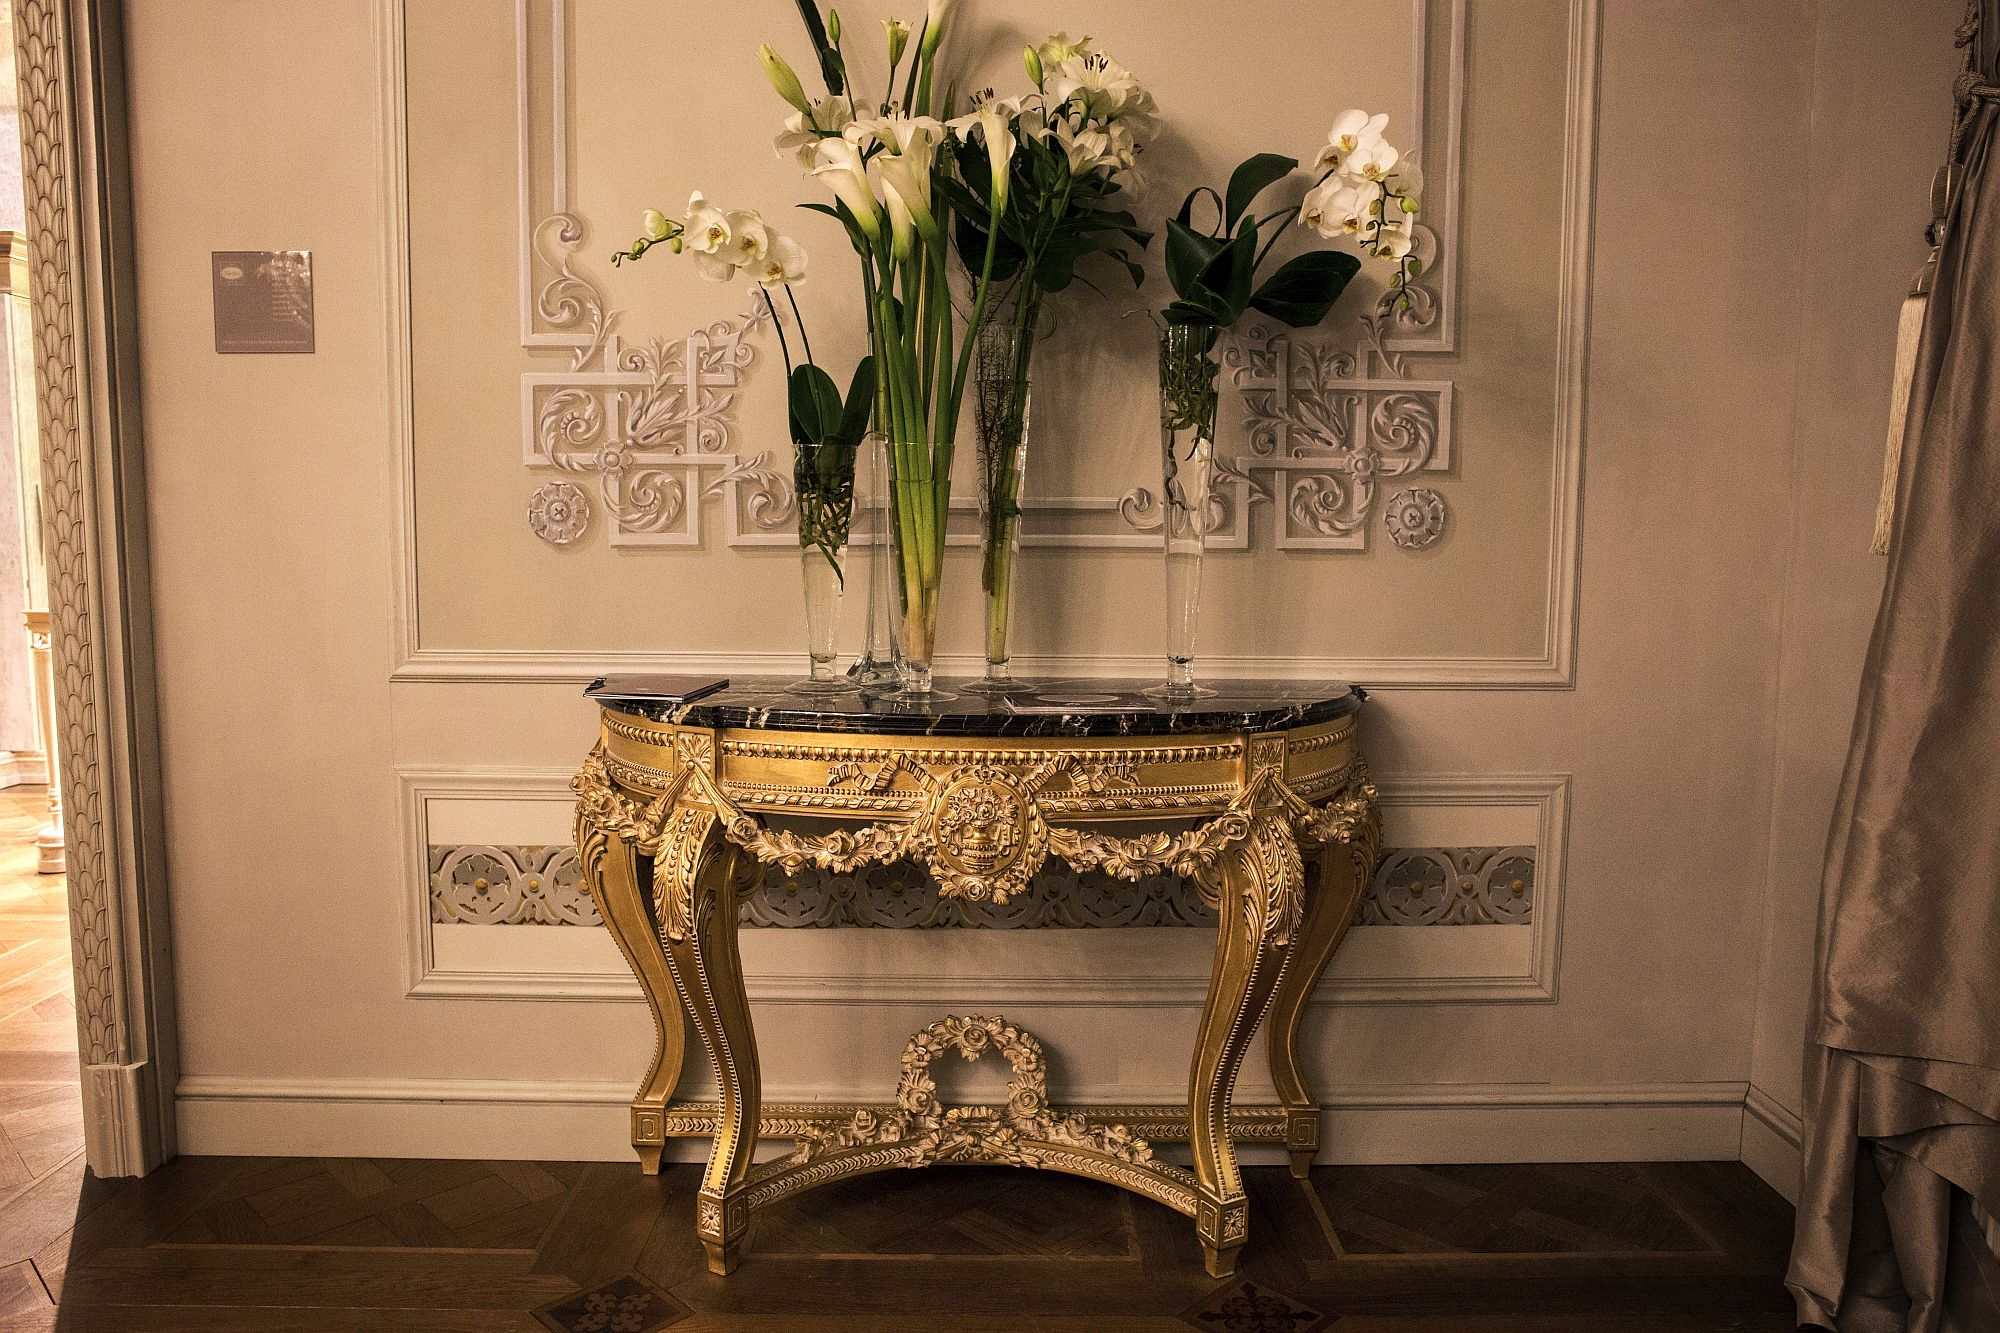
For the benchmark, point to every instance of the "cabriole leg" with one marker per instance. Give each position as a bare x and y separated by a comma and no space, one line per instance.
699,878
620,883
1334,886
1258,885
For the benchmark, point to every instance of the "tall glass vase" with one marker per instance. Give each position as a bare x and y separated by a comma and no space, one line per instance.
1001,379
823,478
1188,374
916,532
876,669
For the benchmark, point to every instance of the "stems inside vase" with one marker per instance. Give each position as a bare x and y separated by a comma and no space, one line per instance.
1187,457
1006,346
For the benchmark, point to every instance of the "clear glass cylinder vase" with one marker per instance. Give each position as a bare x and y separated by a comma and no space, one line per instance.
1188,398
823,481
916,544
1002,382
876,668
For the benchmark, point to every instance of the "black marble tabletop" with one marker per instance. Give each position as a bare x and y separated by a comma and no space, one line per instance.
1044,708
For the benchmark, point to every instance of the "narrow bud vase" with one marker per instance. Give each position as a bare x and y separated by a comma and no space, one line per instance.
1188,396
823,477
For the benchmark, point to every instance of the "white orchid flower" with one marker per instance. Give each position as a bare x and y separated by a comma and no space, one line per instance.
996,131
715,268
838,165
1393,240
1371,161
784,262
1354,134
707,226
1339,208
749,238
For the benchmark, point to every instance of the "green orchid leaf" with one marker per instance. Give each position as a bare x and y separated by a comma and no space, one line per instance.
815,405
1303,292
1188,253
1227,277
1251,179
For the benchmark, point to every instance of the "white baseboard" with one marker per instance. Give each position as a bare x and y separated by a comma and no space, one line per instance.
588,1121
1773,1136
22,770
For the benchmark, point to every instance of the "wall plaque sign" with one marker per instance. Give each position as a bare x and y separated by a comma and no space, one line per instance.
263,300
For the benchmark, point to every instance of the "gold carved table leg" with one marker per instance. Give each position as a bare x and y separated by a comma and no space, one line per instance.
620,879
699,878
1347,836
1259,884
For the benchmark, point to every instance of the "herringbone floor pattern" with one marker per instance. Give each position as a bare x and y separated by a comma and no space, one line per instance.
284,1245
41,1119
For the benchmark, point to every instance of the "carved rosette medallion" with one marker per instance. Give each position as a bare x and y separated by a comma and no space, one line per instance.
559,513
981,835
1415,518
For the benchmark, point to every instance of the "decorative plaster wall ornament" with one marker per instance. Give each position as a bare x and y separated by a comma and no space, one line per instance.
1413,886
559,513
1415,518
653,423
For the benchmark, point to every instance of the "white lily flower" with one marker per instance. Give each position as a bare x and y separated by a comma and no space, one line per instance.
803,131
784,262
837,164
996,131
940,10
1060,47
749,238
1101,85
707,226
905,179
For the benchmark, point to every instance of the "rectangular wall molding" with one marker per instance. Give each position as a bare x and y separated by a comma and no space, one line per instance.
1139,967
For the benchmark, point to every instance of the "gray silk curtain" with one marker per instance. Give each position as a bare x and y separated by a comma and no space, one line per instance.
1899,1214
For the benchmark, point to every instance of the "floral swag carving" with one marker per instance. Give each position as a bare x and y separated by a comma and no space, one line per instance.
1011,1136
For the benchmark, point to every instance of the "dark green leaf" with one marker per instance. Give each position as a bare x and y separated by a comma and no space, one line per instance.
1303,292
829,60
1255,176
815,405
1228,275
1188,252
860,402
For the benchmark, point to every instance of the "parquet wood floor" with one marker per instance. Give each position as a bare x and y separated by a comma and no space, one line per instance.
41,1118
280,1245
303,1245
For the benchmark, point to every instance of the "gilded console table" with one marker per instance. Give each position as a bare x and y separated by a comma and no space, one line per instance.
1260,795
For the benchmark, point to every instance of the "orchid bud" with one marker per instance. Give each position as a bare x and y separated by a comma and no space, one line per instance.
783,80
655,224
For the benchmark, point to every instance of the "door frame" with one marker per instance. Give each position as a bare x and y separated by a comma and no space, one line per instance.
76,171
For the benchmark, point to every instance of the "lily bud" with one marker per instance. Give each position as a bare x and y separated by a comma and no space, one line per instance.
899,40
1033,60
833,26
783,80
934,29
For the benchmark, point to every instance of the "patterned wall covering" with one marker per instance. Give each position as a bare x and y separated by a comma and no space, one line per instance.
1413,886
